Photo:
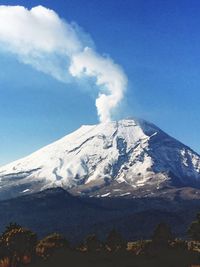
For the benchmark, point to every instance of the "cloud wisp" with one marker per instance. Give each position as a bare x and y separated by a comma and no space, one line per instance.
39,37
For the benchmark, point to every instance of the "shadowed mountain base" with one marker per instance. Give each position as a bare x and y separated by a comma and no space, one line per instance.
55,210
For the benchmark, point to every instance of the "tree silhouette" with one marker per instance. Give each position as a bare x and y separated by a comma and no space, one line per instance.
11,226
50,244
162,235
92,243
194,229
3,250
19,244
114,241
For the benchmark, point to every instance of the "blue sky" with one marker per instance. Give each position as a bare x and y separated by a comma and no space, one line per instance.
156,42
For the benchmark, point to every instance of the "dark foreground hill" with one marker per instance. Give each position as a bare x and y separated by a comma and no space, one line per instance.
55,210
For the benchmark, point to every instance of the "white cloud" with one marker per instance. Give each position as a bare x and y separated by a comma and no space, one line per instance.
40,38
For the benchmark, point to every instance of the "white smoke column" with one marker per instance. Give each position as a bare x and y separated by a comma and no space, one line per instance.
40,38
109,77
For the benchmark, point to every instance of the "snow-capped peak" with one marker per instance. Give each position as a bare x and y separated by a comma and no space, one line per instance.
127,154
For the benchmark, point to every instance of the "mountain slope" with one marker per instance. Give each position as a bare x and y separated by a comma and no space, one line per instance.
55,210
108,159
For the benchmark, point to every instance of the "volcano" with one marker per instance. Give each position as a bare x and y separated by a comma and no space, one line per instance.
125,158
